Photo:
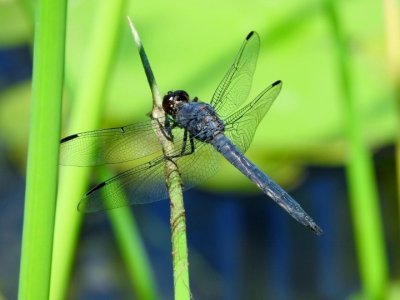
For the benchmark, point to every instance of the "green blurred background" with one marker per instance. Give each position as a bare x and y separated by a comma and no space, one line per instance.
190,46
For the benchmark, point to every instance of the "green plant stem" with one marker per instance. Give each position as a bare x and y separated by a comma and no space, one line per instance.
392,22
42,169
128,239
86,114
174,185
360,175
178,234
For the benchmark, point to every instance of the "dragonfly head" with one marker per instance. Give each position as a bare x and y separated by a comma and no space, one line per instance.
172,99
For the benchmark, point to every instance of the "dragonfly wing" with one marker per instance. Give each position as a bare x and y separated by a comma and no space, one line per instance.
199,166
241,125
235,86
142,184
146,183
113,145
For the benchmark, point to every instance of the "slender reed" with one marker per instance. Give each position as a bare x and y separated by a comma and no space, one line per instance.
364,199
85,115
42,169
173,180
392,26
133,252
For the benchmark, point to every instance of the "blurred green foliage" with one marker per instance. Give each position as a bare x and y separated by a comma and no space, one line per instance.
191,45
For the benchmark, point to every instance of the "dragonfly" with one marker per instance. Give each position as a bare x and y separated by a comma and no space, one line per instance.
201,135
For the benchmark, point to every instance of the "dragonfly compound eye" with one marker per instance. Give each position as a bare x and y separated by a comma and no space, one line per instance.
181,96
169,102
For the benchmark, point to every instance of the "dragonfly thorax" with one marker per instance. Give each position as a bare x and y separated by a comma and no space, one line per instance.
199,119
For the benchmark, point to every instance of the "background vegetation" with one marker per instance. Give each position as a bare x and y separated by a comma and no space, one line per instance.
337,111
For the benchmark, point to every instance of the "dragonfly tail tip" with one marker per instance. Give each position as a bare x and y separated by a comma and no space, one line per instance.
316,229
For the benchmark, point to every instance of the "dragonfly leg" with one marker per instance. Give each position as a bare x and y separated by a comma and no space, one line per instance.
191,144
183,150
166,129
185,134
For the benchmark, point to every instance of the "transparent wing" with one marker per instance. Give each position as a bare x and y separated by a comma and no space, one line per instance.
146,183
235,86
200,166
113,145
241,125
148,187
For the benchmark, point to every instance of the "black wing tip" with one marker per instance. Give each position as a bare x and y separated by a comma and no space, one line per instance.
84,206
68,138
277,82
99,186
251,33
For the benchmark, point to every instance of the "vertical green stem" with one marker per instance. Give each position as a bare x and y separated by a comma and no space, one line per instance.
86,114
174,185
392,24
42,169
360,176
178,235
128,239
